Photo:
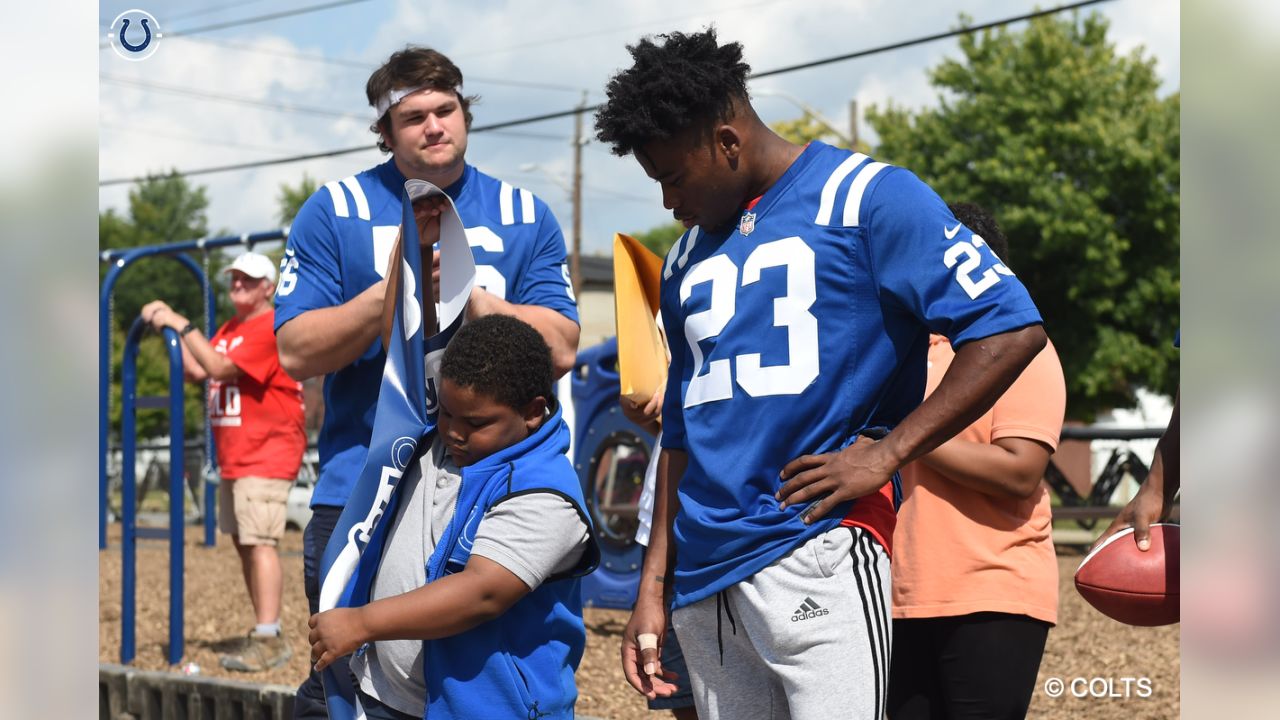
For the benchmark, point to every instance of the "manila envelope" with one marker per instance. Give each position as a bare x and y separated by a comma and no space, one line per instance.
642,353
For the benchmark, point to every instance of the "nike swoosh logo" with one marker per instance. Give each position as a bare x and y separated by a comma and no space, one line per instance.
952,232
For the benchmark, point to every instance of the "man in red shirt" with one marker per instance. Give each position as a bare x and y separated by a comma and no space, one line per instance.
257,417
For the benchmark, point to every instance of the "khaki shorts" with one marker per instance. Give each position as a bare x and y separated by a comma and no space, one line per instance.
253,509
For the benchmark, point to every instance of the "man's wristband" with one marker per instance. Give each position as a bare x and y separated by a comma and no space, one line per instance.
191,327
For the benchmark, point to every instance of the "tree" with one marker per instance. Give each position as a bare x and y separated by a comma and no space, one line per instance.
1074,152
660,239
291,197
162,209
807,128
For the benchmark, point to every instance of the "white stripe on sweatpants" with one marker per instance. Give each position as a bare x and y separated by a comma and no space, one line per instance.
867,554
807,638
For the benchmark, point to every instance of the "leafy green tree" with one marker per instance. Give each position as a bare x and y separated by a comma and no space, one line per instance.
162,209
291,197
807,128
1071,147
660,239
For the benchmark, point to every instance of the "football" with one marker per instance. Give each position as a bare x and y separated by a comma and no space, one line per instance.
1134,587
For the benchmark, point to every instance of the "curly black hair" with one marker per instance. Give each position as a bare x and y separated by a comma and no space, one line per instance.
502,357
982,223
687,80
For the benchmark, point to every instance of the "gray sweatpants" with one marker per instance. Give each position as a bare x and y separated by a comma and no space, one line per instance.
807,638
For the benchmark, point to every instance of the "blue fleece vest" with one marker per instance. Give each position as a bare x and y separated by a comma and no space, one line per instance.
519,665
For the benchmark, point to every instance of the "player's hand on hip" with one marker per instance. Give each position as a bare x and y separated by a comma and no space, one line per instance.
642,649
835,477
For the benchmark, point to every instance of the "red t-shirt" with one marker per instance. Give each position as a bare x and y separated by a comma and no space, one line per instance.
258,417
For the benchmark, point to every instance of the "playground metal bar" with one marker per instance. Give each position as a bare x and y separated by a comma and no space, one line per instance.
129,509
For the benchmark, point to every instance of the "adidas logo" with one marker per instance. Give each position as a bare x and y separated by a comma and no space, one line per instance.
808,610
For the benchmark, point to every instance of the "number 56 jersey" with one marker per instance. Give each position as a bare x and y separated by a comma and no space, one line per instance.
797,330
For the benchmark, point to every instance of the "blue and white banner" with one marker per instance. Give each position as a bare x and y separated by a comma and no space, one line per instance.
406,411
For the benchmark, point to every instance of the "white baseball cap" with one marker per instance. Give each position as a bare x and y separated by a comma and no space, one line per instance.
255,265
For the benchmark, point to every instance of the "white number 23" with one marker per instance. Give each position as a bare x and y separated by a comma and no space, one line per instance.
790,311
968,249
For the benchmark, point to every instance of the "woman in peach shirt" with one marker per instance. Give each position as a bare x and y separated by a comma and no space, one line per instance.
975,579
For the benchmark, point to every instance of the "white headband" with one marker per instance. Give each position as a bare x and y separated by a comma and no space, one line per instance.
393,97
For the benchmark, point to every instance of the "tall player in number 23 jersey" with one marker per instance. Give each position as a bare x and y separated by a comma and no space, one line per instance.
797,330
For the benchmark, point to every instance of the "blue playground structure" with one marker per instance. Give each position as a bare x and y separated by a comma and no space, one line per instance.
130,404
610,455
129,507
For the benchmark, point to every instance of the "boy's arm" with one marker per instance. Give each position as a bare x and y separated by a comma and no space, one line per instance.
451,605
1008,467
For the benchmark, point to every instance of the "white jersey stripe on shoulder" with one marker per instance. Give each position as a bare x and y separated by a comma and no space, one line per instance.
505,198
688,246
672,254
526,206
339,199
853,202
362,204
828,202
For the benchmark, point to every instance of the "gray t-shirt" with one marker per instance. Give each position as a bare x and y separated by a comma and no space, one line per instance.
534,536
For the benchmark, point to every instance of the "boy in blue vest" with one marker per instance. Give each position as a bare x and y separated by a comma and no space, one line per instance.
476,609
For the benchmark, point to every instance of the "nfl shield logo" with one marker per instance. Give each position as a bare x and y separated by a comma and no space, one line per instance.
748,223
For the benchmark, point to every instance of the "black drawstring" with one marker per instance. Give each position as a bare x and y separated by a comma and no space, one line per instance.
722,602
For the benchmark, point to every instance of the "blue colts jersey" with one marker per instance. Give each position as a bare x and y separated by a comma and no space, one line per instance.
801,327
338,247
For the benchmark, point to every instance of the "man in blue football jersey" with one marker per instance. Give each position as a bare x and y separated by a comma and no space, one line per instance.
329,301
799,304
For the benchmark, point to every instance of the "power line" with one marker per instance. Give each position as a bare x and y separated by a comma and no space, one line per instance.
566,113
194,13
367,66
609,31
269,16
213,9
245,166
152,132
238,99
255,19
927,39
328,153
251,102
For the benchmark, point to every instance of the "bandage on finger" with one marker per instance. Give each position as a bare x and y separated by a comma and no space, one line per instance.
647,641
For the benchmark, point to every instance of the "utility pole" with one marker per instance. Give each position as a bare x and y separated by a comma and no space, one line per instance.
853,125
575,263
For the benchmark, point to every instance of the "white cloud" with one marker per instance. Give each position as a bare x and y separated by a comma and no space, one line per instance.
557,42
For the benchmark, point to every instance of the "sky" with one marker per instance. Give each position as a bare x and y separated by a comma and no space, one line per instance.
523,59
